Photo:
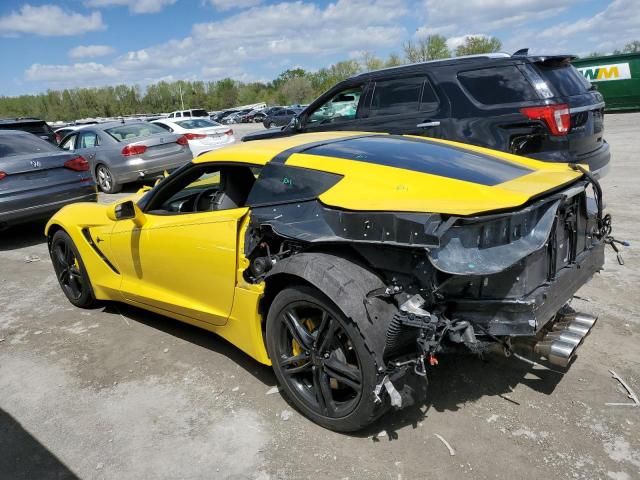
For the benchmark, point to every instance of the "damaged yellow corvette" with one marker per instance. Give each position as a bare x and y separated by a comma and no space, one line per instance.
350,261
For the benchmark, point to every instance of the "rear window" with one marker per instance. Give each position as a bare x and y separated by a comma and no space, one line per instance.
23,144
197,123
564,79
37,128
493,86
394,97
134,130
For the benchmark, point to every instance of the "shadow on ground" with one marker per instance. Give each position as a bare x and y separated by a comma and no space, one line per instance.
457,380
24,457
196,336
21,236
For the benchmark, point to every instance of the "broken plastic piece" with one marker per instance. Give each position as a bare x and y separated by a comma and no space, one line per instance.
630,393
394,395
452,452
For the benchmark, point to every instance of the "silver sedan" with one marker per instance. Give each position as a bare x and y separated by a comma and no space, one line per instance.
120,153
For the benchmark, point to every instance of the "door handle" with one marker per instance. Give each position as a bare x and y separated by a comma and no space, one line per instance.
428,124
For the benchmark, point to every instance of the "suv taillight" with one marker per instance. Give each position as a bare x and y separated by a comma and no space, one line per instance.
557,117
2,174
130,150
79,164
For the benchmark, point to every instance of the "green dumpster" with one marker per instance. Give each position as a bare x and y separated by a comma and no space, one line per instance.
617,77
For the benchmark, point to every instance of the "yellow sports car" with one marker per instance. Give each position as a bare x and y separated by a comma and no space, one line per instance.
349,261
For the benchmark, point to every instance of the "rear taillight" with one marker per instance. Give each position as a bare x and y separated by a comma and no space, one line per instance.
2,175
183,140
557,117
130,150
79,164
229,132
194,136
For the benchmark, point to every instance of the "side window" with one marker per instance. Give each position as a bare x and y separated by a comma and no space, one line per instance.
88,140
396,97
186,114
429,99
179,114
204,188
164,126
170,115
68,144
497,85
342,106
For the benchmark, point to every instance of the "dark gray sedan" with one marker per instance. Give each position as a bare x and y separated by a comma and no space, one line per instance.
120,153
37,178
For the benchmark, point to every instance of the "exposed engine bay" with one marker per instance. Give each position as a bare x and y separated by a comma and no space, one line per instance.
501,281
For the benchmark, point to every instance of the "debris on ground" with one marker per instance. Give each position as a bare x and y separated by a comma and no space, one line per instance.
165,350
272,390
31,258
235,389
630,393
452,452
376,437
286,415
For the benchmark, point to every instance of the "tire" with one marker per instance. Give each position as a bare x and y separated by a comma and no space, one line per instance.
271,125
105,180
70,271
324,368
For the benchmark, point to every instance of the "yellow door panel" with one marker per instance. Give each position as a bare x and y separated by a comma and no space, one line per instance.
184,263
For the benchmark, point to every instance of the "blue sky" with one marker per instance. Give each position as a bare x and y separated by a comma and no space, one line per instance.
76,43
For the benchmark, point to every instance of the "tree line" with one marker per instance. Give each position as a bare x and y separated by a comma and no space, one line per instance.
293,86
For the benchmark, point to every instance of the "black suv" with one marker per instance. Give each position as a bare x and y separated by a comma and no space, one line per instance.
538,106
32,125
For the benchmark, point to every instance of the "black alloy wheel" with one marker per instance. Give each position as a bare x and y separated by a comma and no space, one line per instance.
70,270
320,360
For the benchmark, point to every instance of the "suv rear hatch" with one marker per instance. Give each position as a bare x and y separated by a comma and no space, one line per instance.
586,105
31,125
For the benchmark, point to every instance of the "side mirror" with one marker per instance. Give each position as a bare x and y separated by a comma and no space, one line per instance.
296,124
126,211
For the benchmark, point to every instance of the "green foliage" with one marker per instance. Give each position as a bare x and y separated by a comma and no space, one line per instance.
632,47
431,47
477,45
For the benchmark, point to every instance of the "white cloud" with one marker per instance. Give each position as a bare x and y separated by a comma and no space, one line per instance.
224,5
77,74
271,33
457,17
91,51
49,20
135,6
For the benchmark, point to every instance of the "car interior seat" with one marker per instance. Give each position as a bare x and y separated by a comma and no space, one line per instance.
235,185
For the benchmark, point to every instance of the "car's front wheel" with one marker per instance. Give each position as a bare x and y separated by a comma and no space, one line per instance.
321,360
70,271
105,180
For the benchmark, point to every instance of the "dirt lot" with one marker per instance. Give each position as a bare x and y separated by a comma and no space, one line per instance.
120,393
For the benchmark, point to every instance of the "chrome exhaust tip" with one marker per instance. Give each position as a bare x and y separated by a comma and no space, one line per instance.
557,352
571,326
582,318
565,337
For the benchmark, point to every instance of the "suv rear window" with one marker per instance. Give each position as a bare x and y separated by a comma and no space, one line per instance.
493,86
563,78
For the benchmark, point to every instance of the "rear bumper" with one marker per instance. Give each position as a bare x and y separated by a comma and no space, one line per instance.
137,168
14,212
598,160
526,315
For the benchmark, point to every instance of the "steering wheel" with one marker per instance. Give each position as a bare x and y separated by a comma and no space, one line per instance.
208,206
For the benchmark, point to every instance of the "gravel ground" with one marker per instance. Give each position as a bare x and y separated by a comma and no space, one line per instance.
120,393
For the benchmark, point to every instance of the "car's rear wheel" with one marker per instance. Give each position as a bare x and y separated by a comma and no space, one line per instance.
271,125
321,360
70,271
106,181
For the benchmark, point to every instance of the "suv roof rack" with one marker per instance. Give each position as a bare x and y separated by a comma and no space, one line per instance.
439,60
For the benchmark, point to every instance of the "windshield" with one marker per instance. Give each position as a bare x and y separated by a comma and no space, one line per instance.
197,123
21,144
134,130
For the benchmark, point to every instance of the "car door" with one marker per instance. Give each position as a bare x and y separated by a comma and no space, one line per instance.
181,260
339,111
405,105
86,145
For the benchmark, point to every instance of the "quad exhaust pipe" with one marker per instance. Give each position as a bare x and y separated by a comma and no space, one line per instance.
567,334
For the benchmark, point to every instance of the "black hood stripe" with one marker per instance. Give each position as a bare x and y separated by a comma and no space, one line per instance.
282,157
420,156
